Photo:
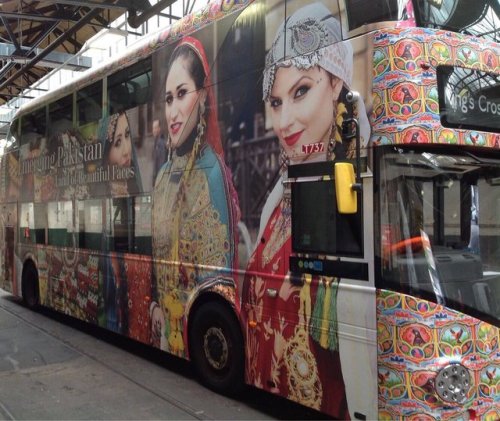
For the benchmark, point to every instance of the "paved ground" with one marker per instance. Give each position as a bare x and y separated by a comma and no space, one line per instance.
52,367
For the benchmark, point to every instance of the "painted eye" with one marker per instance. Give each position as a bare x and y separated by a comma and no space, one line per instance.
169,98
275,102
181,93
301,91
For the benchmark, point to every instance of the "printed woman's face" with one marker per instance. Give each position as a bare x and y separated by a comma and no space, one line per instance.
121,150
182,102
302,109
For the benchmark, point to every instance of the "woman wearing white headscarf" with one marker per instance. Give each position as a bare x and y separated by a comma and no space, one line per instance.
295,351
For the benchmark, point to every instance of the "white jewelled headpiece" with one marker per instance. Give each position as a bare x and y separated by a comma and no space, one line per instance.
310,37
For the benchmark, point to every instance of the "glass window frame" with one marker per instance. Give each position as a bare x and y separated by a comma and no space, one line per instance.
124,78
336,229
83,97
455,246
62,103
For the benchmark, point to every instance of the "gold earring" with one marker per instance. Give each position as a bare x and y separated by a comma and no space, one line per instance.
330,152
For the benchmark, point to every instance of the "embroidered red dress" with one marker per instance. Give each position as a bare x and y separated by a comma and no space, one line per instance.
288,315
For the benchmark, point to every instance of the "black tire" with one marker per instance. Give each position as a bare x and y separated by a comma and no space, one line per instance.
216,348
30,288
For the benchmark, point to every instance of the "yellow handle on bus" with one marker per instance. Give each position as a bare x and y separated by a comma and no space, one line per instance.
347,199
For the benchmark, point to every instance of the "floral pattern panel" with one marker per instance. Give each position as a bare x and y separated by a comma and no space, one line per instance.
405,97
417,338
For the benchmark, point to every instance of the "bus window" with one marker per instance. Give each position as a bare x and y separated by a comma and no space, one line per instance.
89,104
13,136
40,223
33,223
128,222
321,229
380,11
130,87
142,228
90,227
120,221
60,222
27,223
445,205
33,126
32,144
61,115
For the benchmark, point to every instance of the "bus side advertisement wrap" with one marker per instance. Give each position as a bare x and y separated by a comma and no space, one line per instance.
184,195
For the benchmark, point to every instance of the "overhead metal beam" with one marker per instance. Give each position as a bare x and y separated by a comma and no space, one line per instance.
52,60
12,37
135,20
82,22
31,77
34,16
80,64
73,42
33,47
30,88
168,16
92,4
16,95
142,5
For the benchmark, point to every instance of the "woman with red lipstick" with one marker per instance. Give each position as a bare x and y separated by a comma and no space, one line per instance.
195,209
295,353
119,158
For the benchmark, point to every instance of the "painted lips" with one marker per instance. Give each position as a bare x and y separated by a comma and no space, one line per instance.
174,128
293,138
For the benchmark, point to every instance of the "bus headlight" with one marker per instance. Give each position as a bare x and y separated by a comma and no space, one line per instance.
453,383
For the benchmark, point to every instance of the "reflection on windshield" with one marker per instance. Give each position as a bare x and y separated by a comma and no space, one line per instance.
478,17
440,232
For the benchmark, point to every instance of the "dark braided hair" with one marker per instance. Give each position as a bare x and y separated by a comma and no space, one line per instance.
195,66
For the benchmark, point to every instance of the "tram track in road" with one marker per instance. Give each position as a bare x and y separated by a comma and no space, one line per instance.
5,413
97,332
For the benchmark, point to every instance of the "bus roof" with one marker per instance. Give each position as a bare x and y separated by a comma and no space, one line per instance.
214,10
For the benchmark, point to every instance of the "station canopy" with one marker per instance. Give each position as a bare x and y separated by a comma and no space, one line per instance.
38,36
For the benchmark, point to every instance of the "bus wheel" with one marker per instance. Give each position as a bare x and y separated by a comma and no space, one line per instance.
216,348
31,293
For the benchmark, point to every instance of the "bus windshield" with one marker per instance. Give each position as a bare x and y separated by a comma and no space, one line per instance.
479,17
440,233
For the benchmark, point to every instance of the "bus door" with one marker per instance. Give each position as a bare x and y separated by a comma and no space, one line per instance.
329,272
7,240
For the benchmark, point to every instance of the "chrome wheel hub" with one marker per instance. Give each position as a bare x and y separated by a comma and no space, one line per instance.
453,383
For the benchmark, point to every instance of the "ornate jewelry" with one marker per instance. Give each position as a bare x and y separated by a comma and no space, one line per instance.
303,380
308,36
113,120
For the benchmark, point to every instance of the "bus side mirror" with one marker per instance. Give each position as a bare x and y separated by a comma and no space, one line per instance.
345,188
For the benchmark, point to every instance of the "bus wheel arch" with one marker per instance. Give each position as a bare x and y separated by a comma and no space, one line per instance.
216,344
30,285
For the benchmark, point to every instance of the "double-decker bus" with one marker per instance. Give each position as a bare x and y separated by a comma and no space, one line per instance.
300,196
